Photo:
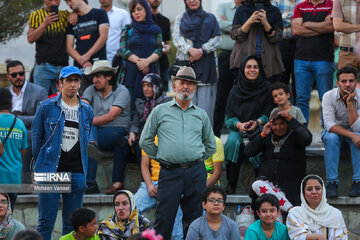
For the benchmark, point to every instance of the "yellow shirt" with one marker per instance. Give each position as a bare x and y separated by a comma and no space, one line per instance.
154,165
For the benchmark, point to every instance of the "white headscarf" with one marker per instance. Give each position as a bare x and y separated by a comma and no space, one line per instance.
323,215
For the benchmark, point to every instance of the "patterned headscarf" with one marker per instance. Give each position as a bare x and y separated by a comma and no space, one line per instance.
114,228
7,222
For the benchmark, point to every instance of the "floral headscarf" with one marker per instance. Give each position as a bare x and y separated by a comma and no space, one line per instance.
7,222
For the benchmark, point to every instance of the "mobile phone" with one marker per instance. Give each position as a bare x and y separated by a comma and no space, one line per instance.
259,6
54,9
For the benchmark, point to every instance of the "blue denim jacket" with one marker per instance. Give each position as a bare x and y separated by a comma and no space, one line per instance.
47,129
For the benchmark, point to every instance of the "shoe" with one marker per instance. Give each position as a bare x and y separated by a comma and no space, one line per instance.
92,188
332,190
230,190
355,189
94,151
112,189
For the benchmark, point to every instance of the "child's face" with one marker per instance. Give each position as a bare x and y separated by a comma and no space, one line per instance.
90,229
268,213
212,205
280,97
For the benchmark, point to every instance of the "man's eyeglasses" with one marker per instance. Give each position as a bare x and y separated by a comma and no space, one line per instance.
17,73
213,201
3,202
69,80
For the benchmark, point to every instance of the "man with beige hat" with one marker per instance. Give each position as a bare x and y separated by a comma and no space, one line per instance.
185,139
111,104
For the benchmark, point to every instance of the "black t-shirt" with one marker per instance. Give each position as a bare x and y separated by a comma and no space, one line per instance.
50,47
164,24
86,33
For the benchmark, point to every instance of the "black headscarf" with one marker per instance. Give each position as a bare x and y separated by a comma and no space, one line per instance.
205,68
248,100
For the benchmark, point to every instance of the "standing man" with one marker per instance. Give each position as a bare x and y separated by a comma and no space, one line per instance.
346,20
25,98
60,136
118,18
341,109
111,104
13,139
314,53
185,139
91,33
224,15
164,23
47,29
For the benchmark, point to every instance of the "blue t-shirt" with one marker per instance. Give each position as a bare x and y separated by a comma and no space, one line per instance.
200,229
11,160
86,33
255,232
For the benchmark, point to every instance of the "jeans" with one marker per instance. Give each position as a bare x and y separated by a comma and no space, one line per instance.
49,204
109,139
305,73
144,203
333,143
45,75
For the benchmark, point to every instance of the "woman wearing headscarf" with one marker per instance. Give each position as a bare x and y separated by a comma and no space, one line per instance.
197,36
247,109
315,218
153,95
140,46
282,143
125,221
257,29
8,225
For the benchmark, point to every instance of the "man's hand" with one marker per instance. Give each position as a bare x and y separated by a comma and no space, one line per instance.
349,96
286,115
50,19
356,140
83,59
87,64
131,139
223,18
152,190
73,18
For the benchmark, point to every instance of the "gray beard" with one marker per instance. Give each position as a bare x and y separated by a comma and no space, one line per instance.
184,98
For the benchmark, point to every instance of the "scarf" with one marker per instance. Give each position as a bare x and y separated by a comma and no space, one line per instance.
323,215
7,221
249,100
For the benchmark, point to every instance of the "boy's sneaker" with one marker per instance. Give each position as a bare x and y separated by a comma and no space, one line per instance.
355,189
332,190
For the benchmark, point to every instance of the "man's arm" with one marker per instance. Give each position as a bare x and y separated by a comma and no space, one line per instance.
208,138
325,26
23,151
298,29
346,133
37,131
216,174
145,172
148,134
34,34
341,26
70,41
225,24
107,117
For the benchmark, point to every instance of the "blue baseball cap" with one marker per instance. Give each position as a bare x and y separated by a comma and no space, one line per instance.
68,71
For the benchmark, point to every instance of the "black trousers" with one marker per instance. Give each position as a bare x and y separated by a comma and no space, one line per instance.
224,85
179,186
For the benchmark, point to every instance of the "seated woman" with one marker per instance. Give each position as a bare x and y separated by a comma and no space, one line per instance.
125,221
8,225
257,28
247,108
140,46
315,218
282,142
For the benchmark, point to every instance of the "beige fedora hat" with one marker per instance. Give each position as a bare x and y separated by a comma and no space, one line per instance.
100,66
186,73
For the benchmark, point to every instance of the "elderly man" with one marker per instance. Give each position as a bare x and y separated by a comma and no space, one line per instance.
342,126
111,104
185,139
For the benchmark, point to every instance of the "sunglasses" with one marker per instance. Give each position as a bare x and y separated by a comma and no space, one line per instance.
17,73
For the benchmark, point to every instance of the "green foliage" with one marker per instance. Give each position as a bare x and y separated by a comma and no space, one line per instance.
14,15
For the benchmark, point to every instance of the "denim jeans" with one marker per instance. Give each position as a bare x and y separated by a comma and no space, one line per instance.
144,203
45,75
305,73
109,139
49,205
333,143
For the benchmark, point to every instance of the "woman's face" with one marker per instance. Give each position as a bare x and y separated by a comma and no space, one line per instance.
3,205
148,89
122,206
193,4
251,70
139,13
313,193
279,127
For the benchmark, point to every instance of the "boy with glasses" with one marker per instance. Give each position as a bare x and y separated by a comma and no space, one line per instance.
213,224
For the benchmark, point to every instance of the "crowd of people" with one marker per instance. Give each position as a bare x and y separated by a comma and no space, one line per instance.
113,98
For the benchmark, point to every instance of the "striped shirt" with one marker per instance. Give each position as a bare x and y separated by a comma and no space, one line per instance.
287,8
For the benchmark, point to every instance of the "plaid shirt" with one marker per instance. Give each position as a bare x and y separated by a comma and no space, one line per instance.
124,51
287,8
